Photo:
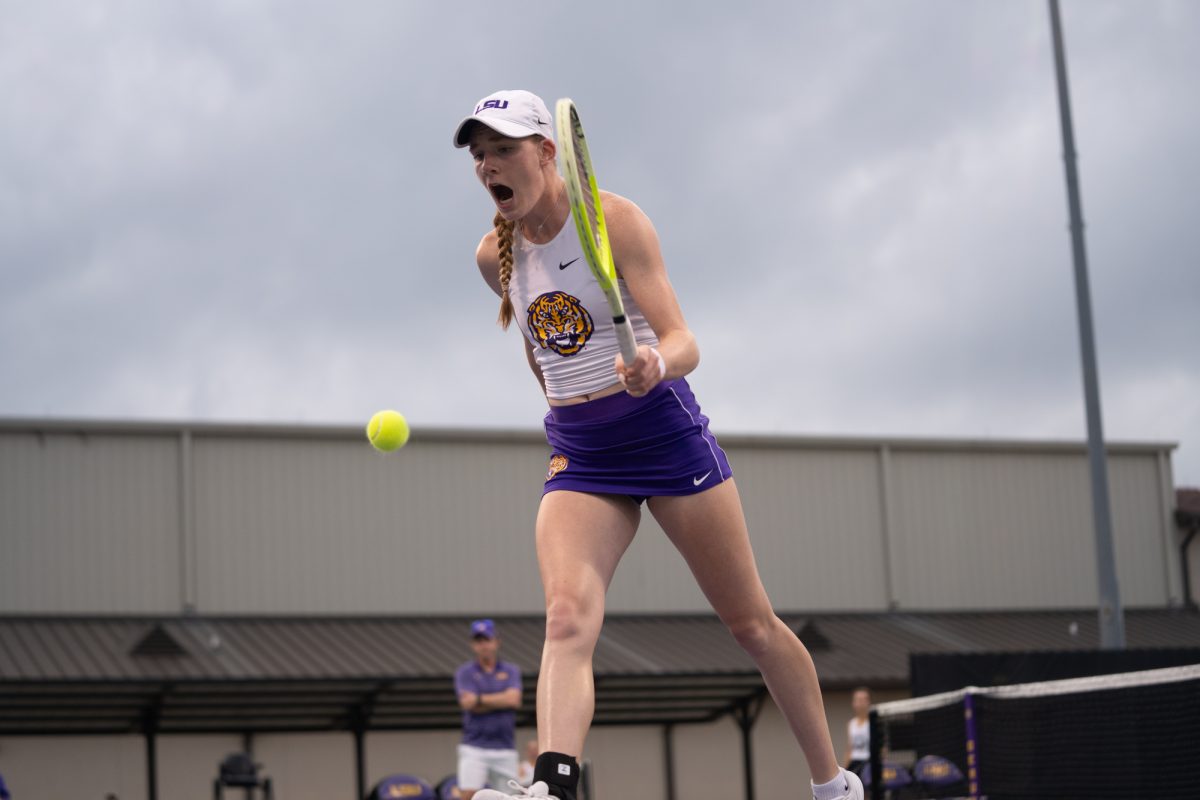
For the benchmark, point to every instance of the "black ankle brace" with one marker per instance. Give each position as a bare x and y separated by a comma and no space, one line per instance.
560,772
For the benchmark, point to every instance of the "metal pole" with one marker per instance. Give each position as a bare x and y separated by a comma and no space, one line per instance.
669,759
360,762
1112,618
746,723
151,764
876,740
248,749
746,714
585,781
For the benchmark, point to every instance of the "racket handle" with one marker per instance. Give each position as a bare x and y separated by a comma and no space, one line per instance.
626,339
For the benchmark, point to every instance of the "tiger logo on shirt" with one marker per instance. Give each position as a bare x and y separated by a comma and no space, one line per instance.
559,322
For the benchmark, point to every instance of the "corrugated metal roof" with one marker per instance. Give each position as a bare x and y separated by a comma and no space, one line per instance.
81,674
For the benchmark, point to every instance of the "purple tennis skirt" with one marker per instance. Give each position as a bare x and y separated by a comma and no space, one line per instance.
638,446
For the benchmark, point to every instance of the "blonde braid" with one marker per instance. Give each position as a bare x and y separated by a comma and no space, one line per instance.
504,233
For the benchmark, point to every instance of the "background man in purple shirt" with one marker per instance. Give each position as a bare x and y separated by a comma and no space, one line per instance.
489,693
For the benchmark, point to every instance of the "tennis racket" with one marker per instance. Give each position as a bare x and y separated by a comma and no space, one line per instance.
576,167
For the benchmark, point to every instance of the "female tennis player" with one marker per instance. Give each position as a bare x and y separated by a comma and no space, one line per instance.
621,434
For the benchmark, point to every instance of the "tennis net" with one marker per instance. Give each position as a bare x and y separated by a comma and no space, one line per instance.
1130,735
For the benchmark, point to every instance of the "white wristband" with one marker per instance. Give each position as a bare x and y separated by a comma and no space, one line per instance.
662,365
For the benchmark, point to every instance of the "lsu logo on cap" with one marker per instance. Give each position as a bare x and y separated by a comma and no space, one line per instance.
559,322
499,105
557,464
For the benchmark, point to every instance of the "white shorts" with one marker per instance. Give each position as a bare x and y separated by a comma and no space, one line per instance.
478,766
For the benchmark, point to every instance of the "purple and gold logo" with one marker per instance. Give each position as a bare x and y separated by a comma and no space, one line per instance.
937,771
559,322
557,464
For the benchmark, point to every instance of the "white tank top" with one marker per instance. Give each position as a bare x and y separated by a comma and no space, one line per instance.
562,311
860,739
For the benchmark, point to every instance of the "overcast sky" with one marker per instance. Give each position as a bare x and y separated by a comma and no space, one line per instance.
252,211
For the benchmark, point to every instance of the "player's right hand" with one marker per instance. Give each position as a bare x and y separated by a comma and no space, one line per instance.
643,374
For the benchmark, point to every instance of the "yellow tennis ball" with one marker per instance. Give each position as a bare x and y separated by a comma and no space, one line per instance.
388,431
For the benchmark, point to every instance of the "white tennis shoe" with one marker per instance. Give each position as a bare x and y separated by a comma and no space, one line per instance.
539,789
856,786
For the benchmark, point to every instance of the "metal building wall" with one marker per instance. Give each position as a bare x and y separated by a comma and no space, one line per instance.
816,522
89,522
814,515
329,526
220,519
1013,529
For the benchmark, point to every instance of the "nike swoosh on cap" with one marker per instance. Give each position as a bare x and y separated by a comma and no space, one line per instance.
569,263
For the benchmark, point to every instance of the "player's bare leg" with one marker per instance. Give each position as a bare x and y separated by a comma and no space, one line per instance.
580,540
709,530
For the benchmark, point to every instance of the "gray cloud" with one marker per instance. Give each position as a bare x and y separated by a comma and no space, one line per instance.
223,211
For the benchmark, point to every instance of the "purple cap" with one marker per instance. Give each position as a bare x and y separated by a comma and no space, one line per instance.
483,627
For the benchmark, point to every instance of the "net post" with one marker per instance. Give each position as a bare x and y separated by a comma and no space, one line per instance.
972,746
875,740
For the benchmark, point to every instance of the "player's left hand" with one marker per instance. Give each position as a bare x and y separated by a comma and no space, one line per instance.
646,371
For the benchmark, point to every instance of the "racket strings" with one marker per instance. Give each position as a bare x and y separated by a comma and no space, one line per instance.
586,182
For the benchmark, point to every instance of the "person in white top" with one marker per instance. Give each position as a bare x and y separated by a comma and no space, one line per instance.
858,731
621,435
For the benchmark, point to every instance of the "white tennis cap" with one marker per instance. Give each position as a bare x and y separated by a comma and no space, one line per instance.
512,112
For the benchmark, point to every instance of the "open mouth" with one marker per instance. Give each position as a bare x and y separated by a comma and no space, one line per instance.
501,192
